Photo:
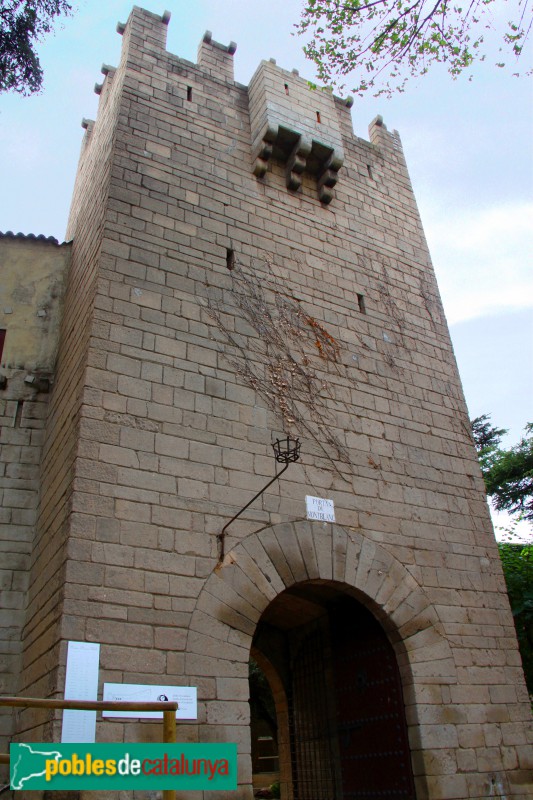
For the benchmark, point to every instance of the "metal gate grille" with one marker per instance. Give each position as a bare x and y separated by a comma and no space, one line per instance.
312,756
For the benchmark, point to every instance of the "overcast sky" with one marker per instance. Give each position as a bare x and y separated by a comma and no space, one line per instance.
467,144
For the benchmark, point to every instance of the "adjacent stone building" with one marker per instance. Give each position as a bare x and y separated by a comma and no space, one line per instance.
243,268
32,277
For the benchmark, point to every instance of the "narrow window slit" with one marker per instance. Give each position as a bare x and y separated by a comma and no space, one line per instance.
2,340
230,258
318,116
361,302
18,414
189,93
369,168
286,88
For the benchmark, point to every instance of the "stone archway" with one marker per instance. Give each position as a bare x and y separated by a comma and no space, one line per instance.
267,563
340,712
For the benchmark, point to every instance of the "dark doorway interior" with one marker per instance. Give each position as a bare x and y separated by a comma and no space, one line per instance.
341,727
264,730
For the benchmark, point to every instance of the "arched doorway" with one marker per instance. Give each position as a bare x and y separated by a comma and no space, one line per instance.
341,728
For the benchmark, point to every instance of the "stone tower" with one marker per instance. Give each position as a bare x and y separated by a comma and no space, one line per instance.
245,268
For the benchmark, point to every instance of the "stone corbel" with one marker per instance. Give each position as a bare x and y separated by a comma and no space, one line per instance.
297,163
328,178
263,150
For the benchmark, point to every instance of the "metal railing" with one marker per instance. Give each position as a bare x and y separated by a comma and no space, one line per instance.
168,708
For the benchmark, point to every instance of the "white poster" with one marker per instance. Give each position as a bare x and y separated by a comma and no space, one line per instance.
81,683
184,696
317,508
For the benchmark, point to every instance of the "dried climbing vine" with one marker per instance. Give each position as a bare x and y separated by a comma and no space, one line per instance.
388,302
288,360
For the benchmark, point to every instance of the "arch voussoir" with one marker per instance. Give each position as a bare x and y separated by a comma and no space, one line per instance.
353,549
227,595
401,590
255,548
375,565
324,549
274,551
364,562
225,614
414,614
288,542
246,573
339,546
389,587
231,571
269,561
304,534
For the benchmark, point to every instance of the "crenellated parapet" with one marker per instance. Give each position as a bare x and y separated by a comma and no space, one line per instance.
216,59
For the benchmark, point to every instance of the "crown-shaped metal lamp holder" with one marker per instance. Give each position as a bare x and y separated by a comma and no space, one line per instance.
286,451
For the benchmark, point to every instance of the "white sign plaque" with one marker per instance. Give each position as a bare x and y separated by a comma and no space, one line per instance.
317,508
184,696
81,683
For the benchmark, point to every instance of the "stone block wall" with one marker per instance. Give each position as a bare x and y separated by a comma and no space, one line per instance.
45,628
210,311
32,275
